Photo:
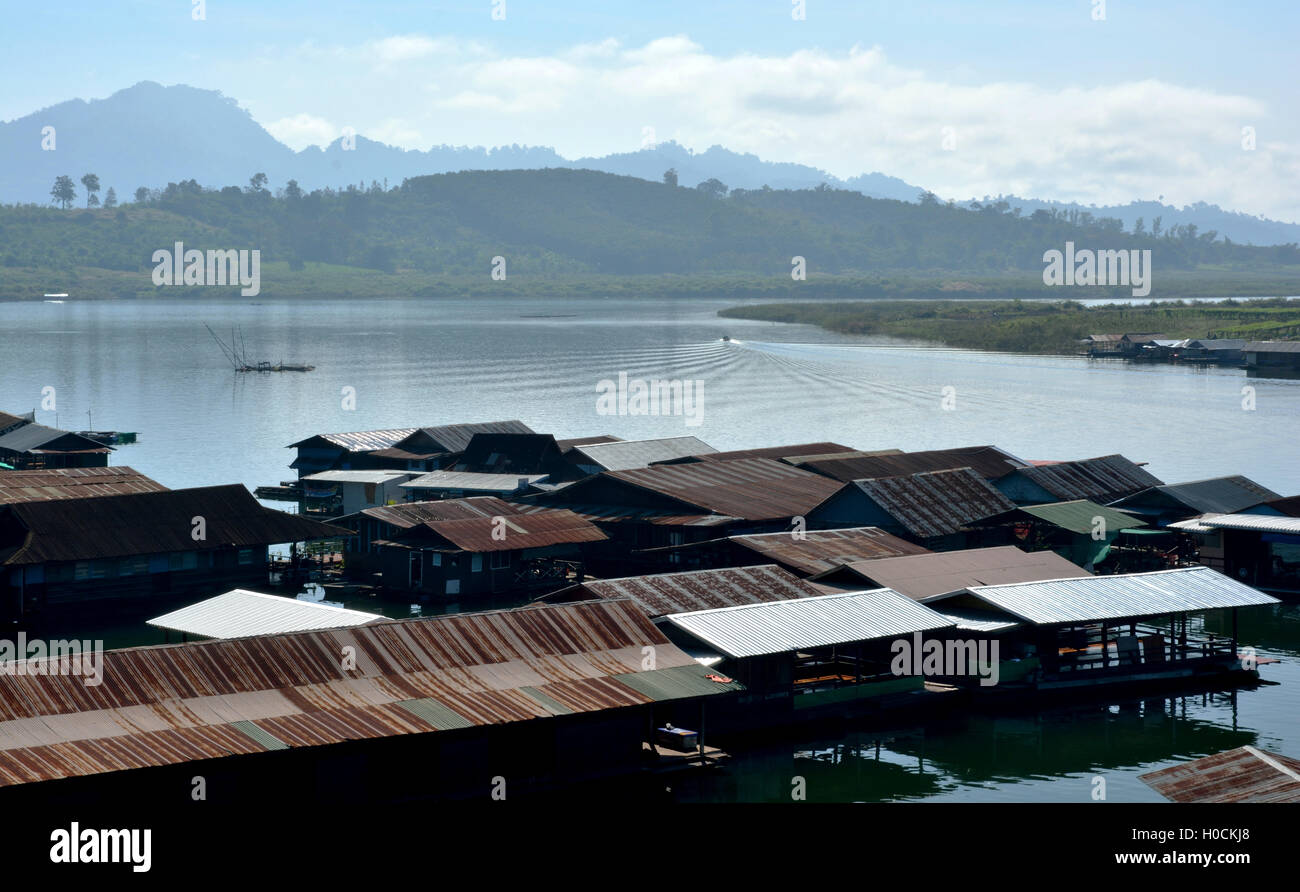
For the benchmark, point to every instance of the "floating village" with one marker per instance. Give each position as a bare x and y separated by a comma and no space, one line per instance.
490,602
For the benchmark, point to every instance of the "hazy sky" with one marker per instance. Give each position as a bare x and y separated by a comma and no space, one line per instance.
1042,99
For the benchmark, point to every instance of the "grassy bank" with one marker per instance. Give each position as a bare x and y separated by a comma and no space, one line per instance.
1020,327
325,280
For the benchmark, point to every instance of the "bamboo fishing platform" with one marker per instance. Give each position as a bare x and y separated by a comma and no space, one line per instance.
236,353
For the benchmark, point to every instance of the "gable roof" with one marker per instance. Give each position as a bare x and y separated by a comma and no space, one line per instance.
508,532
412,514
747,488
39,438
184,702
795,451
627,454
509,453
240,613
1103,479
1078,516
358,441
814,551
935,503
988,461
150,523
72,483
1215,495
922,576
1122,596
752,630
456,437
661,593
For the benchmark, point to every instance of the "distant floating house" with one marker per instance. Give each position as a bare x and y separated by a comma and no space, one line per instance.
921,576
806,554
335,493
1227,351
411,448
1166,503
140,546
935,509
26,445
1101,480
463,548
1276,355
1103,344
663,505
1131,343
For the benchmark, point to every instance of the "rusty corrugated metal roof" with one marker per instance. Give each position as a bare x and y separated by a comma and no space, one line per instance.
925,575
989,461
1244,774
72,483
150,523
177,703
935,503
536,529
413,514
813,551
662,593
1102,479
748,488
777,452
361,441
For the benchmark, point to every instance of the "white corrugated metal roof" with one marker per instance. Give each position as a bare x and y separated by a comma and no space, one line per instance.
358,476
470,480
1261,523
776,627
628,454
1094,598
240,613
1192,526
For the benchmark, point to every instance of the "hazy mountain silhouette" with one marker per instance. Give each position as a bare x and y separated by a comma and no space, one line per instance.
150,135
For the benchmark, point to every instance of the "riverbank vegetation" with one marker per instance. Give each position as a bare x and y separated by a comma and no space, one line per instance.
569,231
1037,327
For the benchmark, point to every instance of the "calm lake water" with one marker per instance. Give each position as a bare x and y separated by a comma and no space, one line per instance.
151,367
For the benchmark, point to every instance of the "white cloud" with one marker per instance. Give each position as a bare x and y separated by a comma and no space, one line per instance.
846,112
302,130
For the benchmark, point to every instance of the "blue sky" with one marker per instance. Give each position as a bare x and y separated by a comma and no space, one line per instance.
1159,91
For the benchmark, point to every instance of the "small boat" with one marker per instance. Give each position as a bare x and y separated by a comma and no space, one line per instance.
726,337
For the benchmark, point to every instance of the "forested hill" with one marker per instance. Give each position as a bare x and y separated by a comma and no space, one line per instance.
560,222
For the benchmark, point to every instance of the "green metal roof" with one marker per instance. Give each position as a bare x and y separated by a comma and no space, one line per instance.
442,717
1079,516
262,736
677,682
549,702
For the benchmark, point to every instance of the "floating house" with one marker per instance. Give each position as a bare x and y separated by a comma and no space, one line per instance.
1273,355
826,654
1102,480
660,505
1244,774
335,493
1131,343
1080,530
465,706
26,445
1224,351
935,509
1103,344
806,553
1259,549
921,576
466,548
659,594
513,454
1098,631
73,483
402,449
150,546
989,462
243,614
1164,504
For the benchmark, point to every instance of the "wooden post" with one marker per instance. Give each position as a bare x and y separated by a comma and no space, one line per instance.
1105,650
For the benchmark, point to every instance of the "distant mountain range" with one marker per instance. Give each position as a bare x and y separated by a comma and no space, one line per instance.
150,135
